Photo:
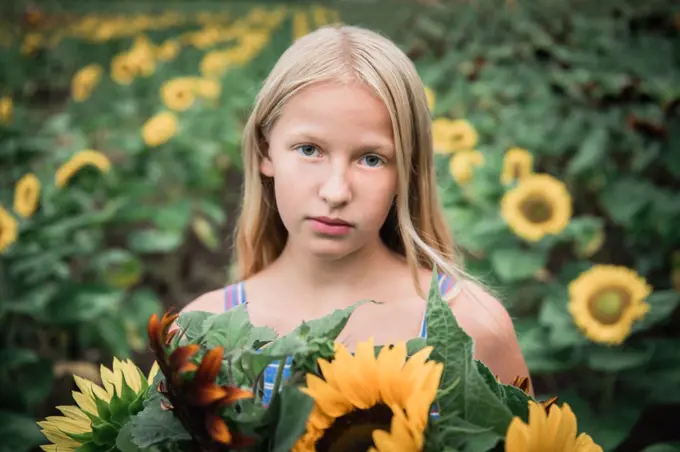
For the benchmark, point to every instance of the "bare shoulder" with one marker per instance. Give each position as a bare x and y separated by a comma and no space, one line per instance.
212,301
488,322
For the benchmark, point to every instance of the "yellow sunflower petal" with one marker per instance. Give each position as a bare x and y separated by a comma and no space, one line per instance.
74,412
517,437
331,402
85,402
390,363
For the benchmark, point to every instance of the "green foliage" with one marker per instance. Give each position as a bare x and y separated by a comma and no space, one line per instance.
591,92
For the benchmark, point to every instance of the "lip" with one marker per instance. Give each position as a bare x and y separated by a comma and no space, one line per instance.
332,221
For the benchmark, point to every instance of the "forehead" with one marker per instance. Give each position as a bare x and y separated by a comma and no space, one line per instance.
349,110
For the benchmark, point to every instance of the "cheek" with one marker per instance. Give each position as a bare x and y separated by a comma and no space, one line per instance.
378,195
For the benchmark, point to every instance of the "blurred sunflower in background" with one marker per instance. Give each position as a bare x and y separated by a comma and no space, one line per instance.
27,195
6,110
179,94
160,128
462,165
538,206
368,403
84,81
87,157
517,164
449,136
9,229
606,300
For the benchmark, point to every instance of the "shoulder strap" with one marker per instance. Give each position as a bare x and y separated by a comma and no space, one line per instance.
234,295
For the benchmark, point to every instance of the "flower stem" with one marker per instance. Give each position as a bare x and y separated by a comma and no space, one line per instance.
279,376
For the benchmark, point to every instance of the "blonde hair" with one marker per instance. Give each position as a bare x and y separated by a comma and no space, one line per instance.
416,227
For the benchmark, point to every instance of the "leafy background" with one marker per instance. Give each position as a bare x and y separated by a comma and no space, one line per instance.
592,90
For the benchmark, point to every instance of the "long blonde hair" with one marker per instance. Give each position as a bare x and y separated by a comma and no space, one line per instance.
415,227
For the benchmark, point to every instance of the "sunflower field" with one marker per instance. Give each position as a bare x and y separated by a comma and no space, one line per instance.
556,127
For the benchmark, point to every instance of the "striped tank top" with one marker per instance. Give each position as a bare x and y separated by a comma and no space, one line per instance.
235,295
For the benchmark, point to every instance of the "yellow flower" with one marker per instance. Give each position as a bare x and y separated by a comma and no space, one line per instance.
179,94
359,395
606,300
462,164
431,99
76,418
32,42
168,51
300,25
83,158
6,110
215,63
553,431
27,195
539,205
517,163
123,68
160,128
9,229
208,88
84,81
449,136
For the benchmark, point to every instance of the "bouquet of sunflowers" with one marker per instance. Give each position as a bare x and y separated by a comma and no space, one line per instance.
205,393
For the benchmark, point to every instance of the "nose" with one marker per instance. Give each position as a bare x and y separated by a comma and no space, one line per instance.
336,190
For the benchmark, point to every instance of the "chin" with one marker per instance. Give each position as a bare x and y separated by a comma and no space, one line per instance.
330,249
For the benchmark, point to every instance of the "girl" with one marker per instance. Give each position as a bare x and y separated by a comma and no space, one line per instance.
340,203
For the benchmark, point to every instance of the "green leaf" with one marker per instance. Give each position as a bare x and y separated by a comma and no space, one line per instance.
230,329
119,268
119,410
19,432
292,420
31,384
253,362
667,447
173,217
620,358
193,323
13,358
124,441
591,152
82,303
553,313
468,437
517,401
621,206
154,241
471,397
153,426
331,325
514,264
662,303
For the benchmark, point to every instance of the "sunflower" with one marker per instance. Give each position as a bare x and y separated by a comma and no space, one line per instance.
84,81
555,430
125,384
168,51
208,88
462,164
363,401
524,385
9,229
449,136
517,164
123,68
537,206
179,94
27,195
606,300
83,158
160,128
6,109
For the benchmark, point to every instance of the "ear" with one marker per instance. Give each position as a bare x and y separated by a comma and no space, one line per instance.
266,166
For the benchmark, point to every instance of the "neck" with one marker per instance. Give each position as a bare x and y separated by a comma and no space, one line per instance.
327,275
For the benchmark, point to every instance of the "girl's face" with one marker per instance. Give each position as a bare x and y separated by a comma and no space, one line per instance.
332,157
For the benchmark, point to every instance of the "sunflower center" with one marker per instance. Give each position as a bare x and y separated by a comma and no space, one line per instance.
536,209
354,431
608,305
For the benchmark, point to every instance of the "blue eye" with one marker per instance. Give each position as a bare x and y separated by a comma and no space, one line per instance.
308,150
373,160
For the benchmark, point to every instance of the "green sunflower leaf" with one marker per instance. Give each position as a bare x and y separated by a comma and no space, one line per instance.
104,434
472,398
103,409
